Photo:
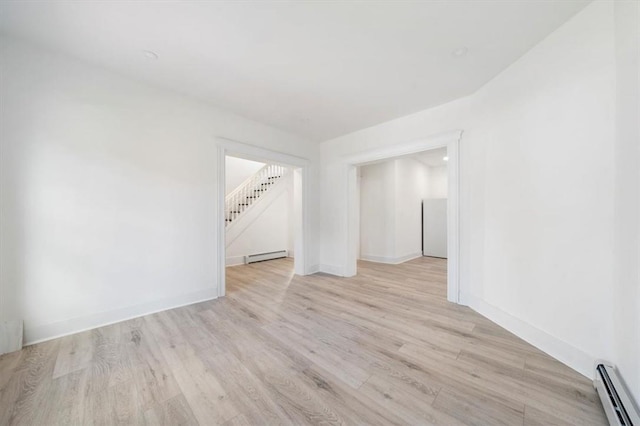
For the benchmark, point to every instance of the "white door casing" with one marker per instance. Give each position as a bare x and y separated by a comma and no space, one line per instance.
450,140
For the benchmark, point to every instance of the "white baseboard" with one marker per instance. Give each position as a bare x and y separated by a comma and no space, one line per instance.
564,352
10,336
41,333
332,270
313,269
391,260
234,260
239,260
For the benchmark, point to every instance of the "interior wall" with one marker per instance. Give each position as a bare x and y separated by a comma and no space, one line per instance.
237,170
411,182
437,182
536,187
108,192
377,211
390,218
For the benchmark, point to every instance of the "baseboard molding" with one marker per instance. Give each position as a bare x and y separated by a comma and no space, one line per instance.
313,269
41,333
239,260
564,352
11,335
332,270
391,260
234,261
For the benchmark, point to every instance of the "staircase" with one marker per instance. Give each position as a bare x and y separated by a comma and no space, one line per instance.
241,198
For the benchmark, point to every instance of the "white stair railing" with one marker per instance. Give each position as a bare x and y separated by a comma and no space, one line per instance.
241,198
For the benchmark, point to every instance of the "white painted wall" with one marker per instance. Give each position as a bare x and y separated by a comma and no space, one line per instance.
390,197
377,211
437,182
107,192
266,227
411,185
237,170
537,185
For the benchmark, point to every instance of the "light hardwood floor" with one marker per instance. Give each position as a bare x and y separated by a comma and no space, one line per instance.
382,348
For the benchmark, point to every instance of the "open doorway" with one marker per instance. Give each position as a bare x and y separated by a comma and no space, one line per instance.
450,141
261,208
434,203
403,207
259,220
258,211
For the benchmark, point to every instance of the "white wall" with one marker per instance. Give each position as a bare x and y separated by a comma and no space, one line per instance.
437,182
107,192
411,186
237,170
377,211
266,227
390,197
537,184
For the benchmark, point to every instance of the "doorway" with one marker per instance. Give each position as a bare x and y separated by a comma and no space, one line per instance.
298,169
403,207
450,141
258,211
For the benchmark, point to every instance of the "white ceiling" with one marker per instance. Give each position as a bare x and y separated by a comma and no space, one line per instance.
317,68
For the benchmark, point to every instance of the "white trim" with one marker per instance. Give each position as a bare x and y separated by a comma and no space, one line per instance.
562,351
439,140
11,335
453,219
221,245
301,222
234,260
251,152
450,140
255,153
332,270
390,260
352,235
41,333
240,260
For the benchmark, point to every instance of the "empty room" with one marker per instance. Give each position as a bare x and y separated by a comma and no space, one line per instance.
320,212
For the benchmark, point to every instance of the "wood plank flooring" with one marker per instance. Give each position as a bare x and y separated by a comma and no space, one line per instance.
381,348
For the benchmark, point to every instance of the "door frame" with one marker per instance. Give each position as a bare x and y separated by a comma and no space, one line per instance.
450,140
300,209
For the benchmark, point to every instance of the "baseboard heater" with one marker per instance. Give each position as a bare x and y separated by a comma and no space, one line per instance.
252,258
616,400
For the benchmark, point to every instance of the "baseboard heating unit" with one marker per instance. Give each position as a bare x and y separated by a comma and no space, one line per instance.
252,258
616,400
